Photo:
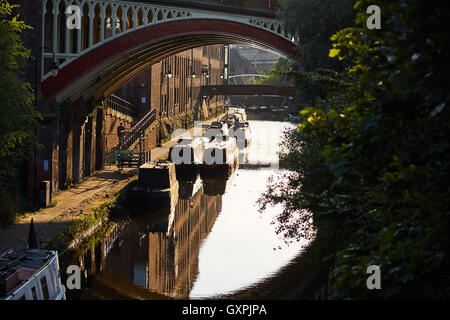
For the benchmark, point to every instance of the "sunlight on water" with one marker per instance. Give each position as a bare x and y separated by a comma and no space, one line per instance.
266,137
212,241
243,248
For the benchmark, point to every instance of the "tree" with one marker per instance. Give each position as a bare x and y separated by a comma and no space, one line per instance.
314,22
18,115
306,190
279,74
393,139
383,134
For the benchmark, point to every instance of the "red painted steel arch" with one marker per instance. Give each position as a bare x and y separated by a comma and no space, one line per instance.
97,69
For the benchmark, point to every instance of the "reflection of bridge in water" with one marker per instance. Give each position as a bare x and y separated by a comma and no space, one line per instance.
156,252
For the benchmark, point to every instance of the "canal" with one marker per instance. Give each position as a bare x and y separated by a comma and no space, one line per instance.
214,242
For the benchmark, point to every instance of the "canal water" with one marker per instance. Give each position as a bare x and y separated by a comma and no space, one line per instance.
213,242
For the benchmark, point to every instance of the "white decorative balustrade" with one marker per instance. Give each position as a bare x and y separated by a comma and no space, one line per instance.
104,20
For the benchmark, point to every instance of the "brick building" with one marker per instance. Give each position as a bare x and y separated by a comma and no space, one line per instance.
172,87
259,60
77,135
78,131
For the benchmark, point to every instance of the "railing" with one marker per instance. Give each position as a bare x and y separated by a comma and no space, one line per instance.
120,105
112,237
131,136
218,4
245,78
109,19
130,159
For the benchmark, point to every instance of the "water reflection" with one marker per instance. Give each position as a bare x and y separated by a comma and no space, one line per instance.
213,241
158,251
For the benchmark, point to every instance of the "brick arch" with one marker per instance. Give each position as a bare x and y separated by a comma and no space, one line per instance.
106,67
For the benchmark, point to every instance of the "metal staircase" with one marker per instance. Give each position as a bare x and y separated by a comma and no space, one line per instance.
118,104
123,151
125,157
137,131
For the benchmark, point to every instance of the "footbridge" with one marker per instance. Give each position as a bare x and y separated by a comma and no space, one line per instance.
98,45
246,78
248,90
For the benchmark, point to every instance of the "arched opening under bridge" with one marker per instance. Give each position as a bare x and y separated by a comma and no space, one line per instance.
104,68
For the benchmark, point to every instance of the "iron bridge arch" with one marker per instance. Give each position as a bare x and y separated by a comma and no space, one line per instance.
95,66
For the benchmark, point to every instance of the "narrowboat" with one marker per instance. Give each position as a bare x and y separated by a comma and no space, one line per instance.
30,274
239,113
242,133
216,128
189,188
157,185
221,158
187,155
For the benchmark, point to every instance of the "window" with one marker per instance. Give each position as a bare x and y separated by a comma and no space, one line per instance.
44,288
175,71
33,293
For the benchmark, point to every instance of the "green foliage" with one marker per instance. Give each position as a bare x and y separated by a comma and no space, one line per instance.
394,139
279,74
314,22
307,189
381,127
79,227
53,203
18,115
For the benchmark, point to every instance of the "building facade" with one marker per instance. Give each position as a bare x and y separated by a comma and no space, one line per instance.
172,87
256,60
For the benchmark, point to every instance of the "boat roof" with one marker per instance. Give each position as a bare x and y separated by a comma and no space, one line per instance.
23,262
190,142
216,125
161,165
34,258
220,144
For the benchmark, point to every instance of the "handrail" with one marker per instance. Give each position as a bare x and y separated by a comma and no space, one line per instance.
262,8
131,136
118,104
133,159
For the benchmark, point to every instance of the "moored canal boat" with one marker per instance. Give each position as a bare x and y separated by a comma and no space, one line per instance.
239,113
220,158
157,185
216,186
242,133
188,188
30,274
217,128
187,155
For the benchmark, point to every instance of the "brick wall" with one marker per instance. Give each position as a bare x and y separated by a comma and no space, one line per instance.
171,96
76,134
111,125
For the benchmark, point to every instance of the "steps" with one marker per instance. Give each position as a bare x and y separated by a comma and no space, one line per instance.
117,105
121,109
118,115
136,131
